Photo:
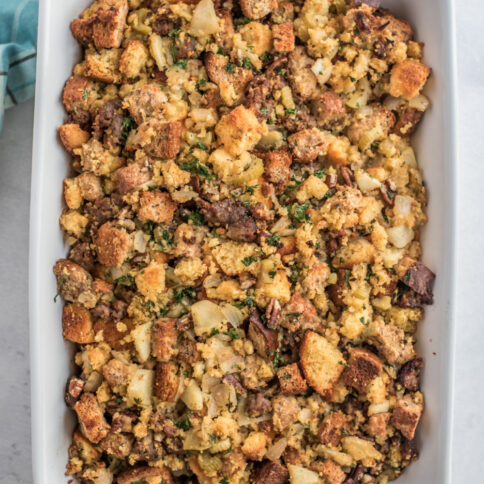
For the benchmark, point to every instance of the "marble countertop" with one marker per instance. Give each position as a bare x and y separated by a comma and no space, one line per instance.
468,444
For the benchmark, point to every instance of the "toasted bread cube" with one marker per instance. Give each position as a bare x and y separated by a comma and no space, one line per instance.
77,324
239,130
82,29
354,253
114,334
285,411
408,78
291,380
91,418
308,144
72,136
225,36
146,474
332,472
284,13
140,388
79,93
131,176
103,66
151,281
256,9
302,79
90,186
73,222
112,245
116,373
363,367
145,102
329,109
283,36
133,59
331,430
406,415
396,30
166,381
378,426
377,117
83,449
157,138
230,79
321,362
391,343
254,446
277,168
157,207
109,24
173,176
96,159
164,336
72,193
271,472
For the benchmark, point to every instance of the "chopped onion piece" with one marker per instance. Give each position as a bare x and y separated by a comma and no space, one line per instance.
206,316
234,315
400,236
204,20
275,451
366,182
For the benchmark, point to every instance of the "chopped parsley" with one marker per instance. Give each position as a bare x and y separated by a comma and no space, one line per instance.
199,84
181,63
230,67
224,480
197,168
247,64
320,173
186,292
214,332
277,361
232,332
249,189
247,261
127,126
196,218
201,146
183,423
274,239
174,32
300,214
85,94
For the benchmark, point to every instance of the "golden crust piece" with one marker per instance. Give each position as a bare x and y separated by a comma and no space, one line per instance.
164,338
131,176
91,418
166,381
157,207
332,428
321,362
110,20
283,37
151,281
157,138
145,102
77,324
79,93
332,472
72,136
408,78
301,77
406,415
277,168
271,472
112,245
256,9
147,474
103,66
291,380
363,367
133,59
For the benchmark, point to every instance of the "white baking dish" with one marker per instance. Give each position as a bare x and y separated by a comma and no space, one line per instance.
435,145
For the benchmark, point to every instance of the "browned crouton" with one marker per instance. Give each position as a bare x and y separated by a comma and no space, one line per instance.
103,66
117,444
145,473
230,79
254,446
145,102
82,29
164,336
114,334
283,13
79,93
271,472
407,122
188,241
378,425
157,207
91,418
166,381
408,78
112,245
116,373
377,116
81,447
77,324
283,36
391,343
109,24
396,30
225,36
332,428
328,109
291,380
72,193
72,136
277,168
308,144
363,367
133,59
74,283
301,77
131,176
284,412
298,314
157,138
332,472
321,362
406,415
90,186
239,130
256,9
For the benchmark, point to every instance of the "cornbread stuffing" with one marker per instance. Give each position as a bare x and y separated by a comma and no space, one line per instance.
243,282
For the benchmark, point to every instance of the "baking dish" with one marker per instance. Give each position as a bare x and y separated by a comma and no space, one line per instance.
51,357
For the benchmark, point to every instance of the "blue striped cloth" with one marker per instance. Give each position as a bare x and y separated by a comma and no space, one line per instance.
18,39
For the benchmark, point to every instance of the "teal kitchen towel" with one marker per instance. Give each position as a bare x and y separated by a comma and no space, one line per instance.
18,39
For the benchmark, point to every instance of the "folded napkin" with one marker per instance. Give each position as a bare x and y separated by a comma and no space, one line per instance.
18,39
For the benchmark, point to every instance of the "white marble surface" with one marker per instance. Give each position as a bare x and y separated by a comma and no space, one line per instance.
468,452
